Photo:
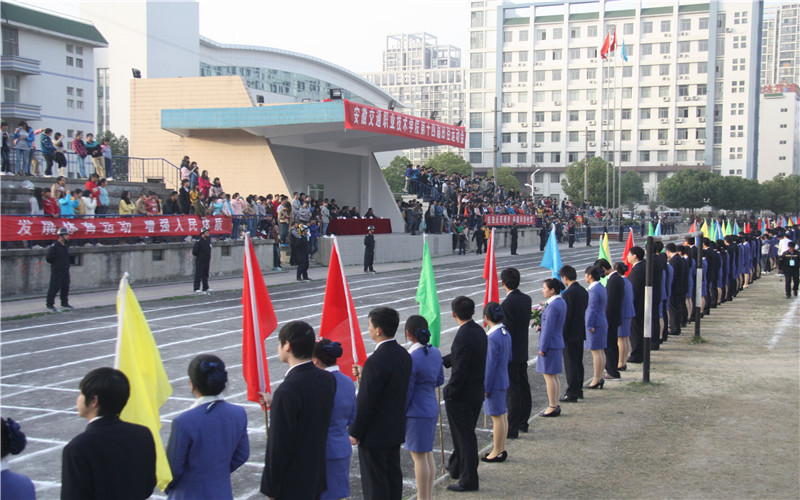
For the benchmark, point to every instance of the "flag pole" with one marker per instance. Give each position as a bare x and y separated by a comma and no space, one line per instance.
441,432
347,301
262,386
121,299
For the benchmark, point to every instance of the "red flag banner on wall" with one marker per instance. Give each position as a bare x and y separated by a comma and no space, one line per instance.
27,228
382,121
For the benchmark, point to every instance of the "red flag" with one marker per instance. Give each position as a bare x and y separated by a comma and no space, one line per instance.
492,293
604,48
628,246
766,223
613,45
258,322
747,227
339,320
760,225
691,229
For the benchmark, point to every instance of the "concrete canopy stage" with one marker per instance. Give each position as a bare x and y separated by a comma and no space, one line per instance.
280,148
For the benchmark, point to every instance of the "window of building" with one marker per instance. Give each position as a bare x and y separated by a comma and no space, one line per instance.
80,104
476,19
625,135
591,31
476,120
700,155
685,24
522,76
538,158
541,34
647,49
522,157
701,111
506,137
538,116
556,75
591,52
70,61
522,117
644,135
665,47
539,55
573,116
10,41
555,177
702,89
591,94
79,92
508,36
557,33
644,156
555,116
663,69
645,92
557,54
683,112
627,92
591,74
555,136
522,56
538,76
627,29
476,60
644,113
646,70
507,57
590,114
476,100
702,67
505,118
10,89
556,96
626,113
573,136
538,137
574,54
475,158
71,103
702,45
78,50
663,134
475,139
665,26
522,97
505,158
702,23
682,133
647,27
572,156
684,47
575,32
783,125
476,40
523,35
627,71
683,68
573,74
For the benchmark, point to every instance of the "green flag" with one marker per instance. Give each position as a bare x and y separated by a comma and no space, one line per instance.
650,229
728,229
427,297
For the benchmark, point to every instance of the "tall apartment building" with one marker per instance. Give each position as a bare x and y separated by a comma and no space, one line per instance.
686,98
779,131
780,52
427,78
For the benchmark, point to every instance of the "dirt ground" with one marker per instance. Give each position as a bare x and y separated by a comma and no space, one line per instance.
720,420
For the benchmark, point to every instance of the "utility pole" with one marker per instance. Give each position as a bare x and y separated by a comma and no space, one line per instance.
586,165
495,160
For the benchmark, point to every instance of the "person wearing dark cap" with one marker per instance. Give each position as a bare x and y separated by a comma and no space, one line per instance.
58,258
791,268
302,245
13,485
369,249
202,261
514,233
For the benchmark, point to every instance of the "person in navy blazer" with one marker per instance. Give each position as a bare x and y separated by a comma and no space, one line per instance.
338,448
111,458
300,413
576,298
615,291
12,485
422,404
517,320
380,425
495,382
596,325
209,441
637,279
628,312
551,343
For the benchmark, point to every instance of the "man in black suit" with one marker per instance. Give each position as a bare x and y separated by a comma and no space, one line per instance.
615,290
111,458
637,278
380,425
659,281
514,233
577,299
299,418
517,319
677,297
463,394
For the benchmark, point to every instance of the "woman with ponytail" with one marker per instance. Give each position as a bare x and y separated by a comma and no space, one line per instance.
338,448
209,440
13,485
495,383
422,405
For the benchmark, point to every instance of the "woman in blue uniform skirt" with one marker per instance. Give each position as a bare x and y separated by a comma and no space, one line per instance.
338,448
495,382
422,405
12,485
628,312
551,343
209,440
596,325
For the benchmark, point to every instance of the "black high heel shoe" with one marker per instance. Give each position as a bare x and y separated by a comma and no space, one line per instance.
622,368
553,413
499,458
598,385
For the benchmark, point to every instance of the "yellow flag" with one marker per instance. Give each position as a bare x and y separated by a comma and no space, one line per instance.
704,229
138,358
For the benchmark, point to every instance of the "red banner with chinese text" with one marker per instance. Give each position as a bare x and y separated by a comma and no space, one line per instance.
24,228
382,121
507,220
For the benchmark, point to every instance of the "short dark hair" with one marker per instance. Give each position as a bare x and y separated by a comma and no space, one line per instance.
638,252
602,263
594,272
48,130
463,307
385,318
621,268
568,272
510,278
671,248
554,284
110,386
300,336
207,373
658,246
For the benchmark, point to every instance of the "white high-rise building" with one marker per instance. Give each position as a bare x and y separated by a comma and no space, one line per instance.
426,78
780,45
686,98
779,131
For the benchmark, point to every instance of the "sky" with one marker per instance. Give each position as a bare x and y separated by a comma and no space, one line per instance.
350,33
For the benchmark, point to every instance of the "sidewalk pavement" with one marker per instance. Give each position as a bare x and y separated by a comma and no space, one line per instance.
719,419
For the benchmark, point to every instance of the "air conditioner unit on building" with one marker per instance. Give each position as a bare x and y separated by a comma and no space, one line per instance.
678,142
667,35
524,145
694,97
683,55
687,98
666,78
538,64
538,84
522,85
506,65
699,163
537,124
662,142
592,82
728,30
557,103
591,144
524,124
593,102
591,122
702,119
664,120
666,57
605,143
663,164
665,98
593,61
701,141
506,85
605,122
678,120
537,145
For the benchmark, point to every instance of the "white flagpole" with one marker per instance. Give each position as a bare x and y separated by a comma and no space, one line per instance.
347,300
121,299
262,386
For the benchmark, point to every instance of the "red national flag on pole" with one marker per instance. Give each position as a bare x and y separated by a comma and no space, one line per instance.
613,45
746,227
258,322
339,320
691,229
604,48
628,246
492,293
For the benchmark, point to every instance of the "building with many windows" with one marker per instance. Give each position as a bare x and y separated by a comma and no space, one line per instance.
780,45
48,70
540,96
427,78
779,131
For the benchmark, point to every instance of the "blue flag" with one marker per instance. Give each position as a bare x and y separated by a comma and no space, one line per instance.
624,52
552,258
658,229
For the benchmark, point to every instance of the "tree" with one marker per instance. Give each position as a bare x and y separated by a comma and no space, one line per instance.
688,188
632,188
573,181
119,145
395,173
735,193
506,178
449,163
782,194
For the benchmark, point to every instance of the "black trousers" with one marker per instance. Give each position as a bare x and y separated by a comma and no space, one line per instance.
573,367
612,351
462,417
676,304
518,397
302,267
276,255
201,274
791,274
637,340
513,246
663,332
381,475
59,283
369,257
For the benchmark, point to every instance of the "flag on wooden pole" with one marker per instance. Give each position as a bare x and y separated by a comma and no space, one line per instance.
427,297
491,292
628,246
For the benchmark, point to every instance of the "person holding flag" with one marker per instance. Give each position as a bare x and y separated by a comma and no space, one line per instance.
517,319
209,440
422,404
